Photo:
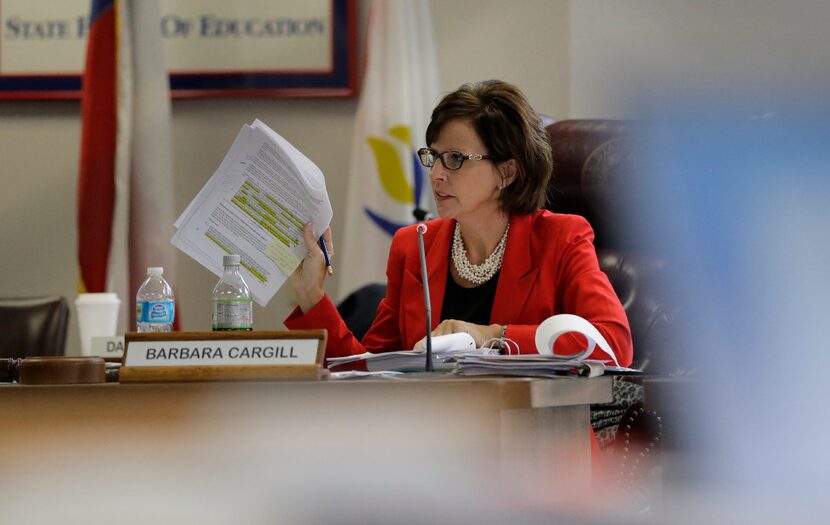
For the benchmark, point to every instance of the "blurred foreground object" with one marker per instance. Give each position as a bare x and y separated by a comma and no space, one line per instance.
737,201
394,451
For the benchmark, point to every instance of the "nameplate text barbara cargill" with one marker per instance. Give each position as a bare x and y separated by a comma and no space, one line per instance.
223,353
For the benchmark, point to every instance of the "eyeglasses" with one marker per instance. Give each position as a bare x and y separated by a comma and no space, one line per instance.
452,160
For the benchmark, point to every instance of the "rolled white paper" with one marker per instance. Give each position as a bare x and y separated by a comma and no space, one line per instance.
551,328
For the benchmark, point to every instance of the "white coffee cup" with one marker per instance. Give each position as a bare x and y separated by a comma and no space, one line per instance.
97,317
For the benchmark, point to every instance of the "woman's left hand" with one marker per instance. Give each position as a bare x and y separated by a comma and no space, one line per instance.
481,333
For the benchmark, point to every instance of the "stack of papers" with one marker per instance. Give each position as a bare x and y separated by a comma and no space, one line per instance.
530,365
256,205
488,361
356,374
546,363
410,360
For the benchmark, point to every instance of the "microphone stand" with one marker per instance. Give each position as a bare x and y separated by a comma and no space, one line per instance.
422,228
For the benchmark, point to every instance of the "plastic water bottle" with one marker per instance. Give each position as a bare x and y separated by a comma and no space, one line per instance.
232,306
155,306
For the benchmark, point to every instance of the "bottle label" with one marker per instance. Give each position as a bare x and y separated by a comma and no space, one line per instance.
233,314
155,311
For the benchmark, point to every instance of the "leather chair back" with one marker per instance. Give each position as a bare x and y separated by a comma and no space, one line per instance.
33,326
593,161
359,307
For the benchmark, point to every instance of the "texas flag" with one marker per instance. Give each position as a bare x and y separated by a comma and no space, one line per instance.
125,185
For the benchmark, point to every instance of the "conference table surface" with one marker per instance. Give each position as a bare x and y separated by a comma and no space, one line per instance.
223,438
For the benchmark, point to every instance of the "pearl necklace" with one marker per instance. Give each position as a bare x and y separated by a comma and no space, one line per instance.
477,273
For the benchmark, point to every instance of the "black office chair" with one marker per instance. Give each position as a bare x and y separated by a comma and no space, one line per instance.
358,309
594,166
34,326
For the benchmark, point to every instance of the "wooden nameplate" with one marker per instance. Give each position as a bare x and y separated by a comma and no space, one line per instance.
223,356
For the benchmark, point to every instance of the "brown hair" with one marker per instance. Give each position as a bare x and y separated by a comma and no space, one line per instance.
510,129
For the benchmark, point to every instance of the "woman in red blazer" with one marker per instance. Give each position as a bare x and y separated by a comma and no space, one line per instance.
498,264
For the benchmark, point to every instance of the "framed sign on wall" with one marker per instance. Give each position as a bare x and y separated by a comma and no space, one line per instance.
290,48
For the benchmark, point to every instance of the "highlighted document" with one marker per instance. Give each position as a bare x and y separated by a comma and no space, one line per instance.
255,205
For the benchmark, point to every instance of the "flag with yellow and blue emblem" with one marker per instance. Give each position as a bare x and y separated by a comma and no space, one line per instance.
386,179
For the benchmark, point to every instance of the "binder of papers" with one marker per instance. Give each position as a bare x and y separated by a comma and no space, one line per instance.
546,363
527,365
409,360
489,361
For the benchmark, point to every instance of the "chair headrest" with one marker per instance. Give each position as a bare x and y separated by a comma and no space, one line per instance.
592,160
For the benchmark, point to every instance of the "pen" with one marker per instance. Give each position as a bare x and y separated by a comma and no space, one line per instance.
329,269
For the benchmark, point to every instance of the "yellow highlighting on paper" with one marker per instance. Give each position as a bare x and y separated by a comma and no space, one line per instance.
283,256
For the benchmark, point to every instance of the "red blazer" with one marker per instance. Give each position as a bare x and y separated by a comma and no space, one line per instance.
549,267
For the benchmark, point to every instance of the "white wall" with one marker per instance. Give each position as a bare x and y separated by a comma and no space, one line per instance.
523,42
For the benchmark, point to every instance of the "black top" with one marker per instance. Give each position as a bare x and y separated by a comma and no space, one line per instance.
473,305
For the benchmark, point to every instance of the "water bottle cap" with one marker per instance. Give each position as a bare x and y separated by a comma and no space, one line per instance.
155,271
230,260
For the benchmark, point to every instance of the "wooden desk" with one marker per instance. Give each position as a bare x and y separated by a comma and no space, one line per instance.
495,435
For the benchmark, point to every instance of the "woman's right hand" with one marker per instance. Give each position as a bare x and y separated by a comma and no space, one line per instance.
307,279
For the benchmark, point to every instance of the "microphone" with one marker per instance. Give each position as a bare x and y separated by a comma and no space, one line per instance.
422,215
422,228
